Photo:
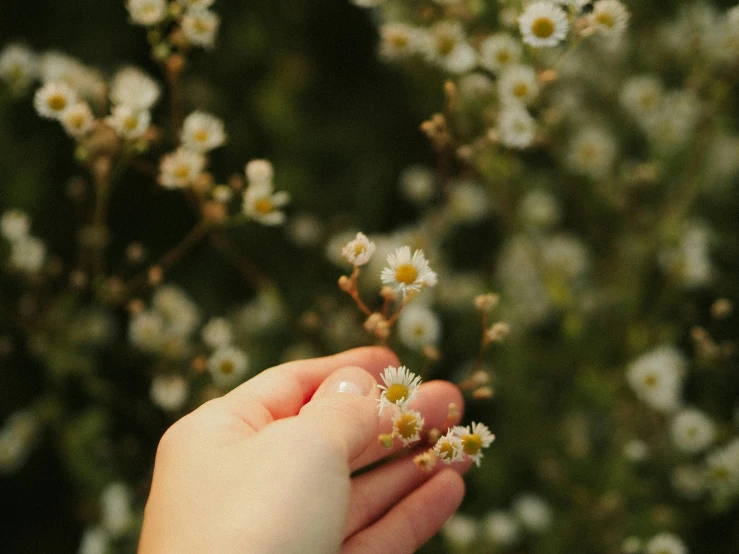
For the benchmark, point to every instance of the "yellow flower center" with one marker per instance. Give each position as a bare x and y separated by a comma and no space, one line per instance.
57,102
650,380
201,26
399,41
520,90
407,426
446,451
542,27
182,171
77,120
406,273
201,135
471,444
130,123
445,44
605,19
227,367
359,249
503,56
263,206
720,473
396,393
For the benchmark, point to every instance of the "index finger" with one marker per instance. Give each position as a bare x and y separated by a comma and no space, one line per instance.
282,390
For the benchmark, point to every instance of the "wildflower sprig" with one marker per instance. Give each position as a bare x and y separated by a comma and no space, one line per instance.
405,276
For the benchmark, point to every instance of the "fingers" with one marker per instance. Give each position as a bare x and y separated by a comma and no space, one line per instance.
282,390
414,520
433,402
375,492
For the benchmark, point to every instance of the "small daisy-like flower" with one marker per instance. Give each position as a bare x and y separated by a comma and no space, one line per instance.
401,386
592,152
408,273
398,40
445,45
516,127
533,512
609,17
169,392
499,51
418,327
180,168
665,543
657,377
263,205
202,132
518,84
259,172
407,426
18,66
449,448
359,251
133,88
14,225
28,254
543,24
217,333
228,365
53,99
200,27
642,96
78,120
692,431
474,440
128,123
147,12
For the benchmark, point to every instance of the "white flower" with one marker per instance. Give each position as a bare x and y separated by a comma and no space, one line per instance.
636,450
460,530
467,202
400,387
418,327
358,251
133,88
228,365
501,528
398,40
78,120
407,426
127,122
657,377
592,152
146,331
533,512
116,508
631,545
518,84
15,224
540,209
28,254
17,438
474,439
305,230
52,99
543,24
200,27
516,127
180,313
217,333
417,184
665,543
692,431
565,255
169,392
95,540
263,205
689,481
408,273
18,66
259,172
449,448
641,96
722,470
499,51
202,132
609,17
181,168
445,45
195,4
147,12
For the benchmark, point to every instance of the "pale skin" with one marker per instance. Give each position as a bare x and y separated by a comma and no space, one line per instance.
268,468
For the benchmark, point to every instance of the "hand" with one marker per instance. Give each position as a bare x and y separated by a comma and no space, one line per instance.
268,467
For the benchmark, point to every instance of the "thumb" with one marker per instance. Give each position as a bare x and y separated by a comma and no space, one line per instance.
344,410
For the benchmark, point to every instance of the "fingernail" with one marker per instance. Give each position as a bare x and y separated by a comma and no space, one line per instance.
348,380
